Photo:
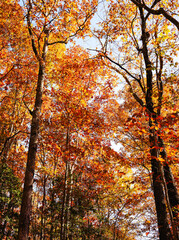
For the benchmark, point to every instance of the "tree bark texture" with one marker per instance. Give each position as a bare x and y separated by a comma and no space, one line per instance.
26,205
159,194
171,188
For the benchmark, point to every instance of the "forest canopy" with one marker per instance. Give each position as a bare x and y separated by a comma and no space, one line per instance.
89,135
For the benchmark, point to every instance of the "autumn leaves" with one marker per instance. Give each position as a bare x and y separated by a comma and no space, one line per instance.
61,108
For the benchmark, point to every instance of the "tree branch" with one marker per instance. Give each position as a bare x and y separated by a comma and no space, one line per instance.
30,31
159,11
6,141
30,111
120,66
3,77
139,100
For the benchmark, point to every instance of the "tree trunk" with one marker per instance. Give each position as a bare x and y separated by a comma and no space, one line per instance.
171,189
42,231
65,203
159,196
62,231
52,212
158,181
69,202
25,213
173,195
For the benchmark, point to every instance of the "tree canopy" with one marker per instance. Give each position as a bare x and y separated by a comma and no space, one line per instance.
63,107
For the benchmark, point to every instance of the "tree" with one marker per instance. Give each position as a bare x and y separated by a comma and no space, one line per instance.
43,23
142,67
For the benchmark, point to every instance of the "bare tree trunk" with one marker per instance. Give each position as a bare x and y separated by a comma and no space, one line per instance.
159,194
173,197
24,220
171,190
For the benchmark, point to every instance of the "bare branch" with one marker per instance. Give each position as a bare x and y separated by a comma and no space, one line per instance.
3,77
159,11
56,42
139,100
160,84
30,111
153,5
6,141
120,66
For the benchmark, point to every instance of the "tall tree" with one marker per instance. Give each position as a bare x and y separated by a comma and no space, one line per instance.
48,23
141,64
